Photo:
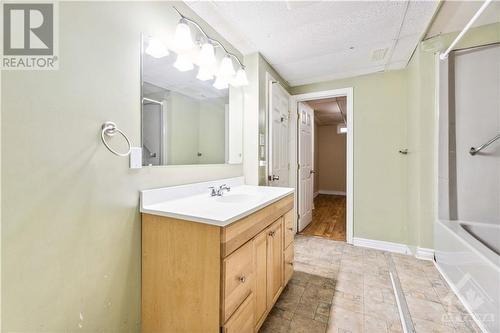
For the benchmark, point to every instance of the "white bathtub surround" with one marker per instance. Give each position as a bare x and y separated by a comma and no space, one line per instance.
472,270
467,253
193,201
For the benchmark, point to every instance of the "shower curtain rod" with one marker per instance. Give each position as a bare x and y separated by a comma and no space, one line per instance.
444,56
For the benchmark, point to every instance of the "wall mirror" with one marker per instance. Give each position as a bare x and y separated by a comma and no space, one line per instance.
185,120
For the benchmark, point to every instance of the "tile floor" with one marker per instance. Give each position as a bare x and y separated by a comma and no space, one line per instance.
339,288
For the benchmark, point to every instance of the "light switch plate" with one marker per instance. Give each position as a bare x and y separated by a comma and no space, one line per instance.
135,157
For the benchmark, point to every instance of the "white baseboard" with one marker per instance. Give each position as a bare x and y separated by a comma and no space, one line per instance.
331,192
382,245
316,194
424,253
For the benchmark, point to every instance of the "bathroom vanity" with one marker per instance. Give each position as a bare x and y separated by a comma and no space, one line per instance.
214,263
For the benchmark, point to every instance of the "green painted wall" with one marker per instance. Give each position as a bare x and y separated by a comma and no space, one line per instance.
380,172
70,219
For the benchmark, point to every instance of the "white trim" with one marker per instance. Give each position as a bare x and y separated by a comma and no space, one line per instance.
397,295
268,141
424,253
349,93
382,245
460,298
437,115
315,194
331,192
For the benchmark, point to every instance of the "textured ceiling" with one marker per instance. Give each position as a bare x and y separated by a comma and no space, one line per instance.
454,15
312,41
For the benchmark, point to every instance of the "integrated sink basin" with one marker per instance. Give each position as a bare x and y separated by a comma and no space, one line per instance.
235,198
194,202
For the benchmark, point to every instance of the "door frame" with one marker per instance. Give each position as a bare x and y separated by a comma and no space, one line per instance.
270,80
293,125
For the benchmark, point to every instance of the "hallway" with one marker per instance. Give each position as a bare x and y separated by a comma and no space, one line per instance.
329,218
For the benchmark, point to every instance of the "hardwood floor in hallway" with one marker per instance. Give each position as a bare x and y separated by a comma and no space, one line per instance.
329,218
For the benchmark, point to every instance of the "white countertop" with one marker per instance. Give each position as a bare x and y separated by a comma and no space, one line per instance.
193,202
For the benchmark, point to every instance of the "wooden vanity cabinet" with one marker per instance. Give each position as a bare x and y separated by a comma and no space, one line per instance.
203,278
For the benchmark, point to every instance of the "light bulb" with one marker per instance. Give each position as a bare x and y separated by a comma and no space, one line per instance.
182,39
221,83
240,79
183,63
205,73
156,49
226,69
207,54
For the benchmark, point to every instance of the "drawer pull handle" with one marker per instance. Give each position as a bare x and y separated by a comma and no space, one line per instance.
290,263
242,279
272,233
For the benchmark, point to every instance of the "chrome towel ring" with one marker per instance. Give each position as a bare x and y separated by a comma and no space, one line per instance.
109,128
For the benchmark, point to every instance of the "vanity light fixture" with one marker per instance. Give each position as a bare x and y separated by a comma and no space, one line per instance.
220,83
206,61
182,38
156,48
183,63
226,75
205,73
207,55
240,79
226,69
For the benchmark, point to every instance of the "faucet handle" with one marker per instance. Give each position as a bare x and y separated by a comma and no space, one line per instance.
213,193
225,187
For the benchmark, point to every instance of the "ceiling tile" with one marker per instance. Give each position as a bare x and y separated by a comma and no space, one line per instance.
315,40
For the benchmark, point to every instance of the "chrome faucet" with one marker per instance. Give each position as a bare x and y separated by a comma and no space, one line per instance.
220,191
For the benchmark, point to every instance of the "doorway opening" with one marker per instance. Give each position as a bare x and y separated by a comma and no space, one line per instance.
324,163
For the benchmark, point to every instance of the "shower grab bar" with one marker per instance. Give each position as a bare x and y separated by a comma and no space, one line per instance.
473,151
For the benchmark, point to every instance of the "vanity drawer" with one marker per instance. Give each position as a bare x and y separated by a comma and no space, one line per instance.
243,320
237,279
289,229
240,232
288,258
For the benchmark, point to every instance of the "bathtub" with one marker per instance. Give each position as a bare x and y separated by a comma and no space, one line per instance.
467,255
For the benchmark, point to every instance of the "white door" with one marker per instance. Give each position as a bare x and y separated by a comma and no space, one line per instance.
278,135
306,124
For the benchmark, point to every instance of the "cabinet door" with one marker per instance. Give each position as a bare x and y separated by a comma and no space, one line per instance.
288,263
260,269
274,261
289,231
